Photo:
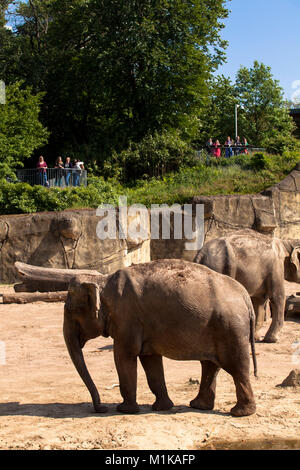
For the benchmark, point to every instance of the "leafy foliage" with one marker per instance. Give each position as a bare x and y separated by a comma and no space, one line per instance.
20,129
217,117
155,155
263,115
114,72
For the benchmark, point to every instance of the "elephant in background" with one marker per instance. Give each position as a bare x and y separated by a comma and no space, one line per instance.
170,308
260,264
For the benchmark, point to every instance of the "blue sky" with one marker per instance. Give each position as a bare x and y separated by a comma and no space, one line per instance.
267,31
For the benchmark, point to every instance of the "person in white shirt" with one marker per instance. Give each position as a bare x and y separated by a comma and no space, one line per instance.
77,167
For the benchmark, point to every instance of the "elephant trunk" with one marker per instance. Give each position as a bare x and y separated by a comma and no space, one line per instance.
292,260
72,341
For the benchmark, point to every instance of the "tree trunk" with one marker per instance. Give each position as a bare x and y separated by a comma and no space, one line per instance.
49,274
27,298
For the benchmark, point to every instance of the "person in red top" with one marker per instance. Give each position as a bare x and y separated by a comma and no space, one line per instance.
42,170
217,149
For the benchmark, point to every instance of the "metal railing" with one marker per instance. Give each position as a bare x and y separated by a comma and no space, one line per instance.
228,152
53,177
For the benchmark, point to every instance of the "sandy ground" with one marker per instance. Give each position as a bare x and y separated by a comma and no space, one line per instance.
44,404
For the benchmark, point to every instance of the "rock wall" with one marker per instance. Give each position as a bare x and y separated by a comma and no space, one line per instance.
68,239
286,200
65,239
274,212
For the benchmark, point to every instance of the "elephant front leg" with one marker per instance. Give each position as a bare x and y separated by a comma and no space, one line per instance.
126,365
259,308
154,370
205,400
277,304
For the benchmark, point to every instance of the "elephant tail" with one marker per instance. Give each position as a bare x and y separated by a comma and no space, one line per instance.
252,335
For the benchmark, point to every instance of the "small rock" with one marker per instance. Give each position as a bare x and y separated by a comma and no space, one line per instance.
193,381
293,379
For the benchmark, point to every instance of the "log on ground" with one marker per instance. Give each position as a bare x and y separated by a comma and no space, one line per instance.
27,298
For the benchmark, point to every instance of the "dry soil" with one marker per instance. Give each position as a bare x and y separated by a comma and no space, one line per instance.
44,404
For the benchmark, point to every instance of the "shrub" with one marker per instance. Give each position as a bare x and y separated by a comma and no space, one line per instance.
155,156
242,174
22,198
279,144
259,161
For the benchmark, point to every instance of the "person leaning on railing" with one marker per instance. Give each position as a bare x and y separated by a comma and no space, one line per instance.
77,170
237,146
217,149
68,170
210,147
245,145
59,166
42,169
228,144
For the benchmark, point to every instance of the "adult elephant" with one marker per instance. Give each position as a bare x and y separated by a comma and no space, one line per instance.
170,308
260,264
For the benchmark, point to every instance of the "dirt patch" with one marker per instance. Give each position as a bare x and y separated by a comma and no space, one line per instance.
44,404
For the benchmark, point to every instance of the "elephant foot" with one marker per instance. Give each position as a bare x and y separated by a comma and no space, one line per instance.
201,404
270,339
128,409
258,338
162,405
100,408
243,410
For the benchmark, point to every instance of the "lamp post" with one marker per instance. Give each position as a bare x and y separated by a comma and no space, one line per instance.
236,120
2,92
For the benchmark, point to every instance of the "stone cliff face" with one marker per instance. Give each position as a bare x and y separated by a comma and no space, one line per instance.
286,200
274,212
68,239
65,239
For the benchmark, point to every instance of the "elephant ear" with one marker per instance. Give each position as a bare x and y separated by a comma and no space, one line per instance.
93,292
295,258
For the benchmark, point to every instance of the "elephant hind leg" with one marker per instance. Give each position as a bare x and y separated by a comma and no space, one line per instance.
205,400
239,369
153,367
236,362
245,405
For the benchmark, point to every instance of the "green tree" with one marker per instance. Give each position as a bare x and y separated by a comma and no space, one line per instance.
264,115
115,71
217,117
20,129
154,58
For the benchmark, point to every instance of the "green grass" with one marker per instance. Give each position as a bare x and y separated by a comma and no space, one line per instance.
238,175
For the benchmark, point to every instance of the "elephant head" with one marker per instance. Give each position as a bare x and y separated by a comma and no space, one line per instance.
292,261
82,322
82,317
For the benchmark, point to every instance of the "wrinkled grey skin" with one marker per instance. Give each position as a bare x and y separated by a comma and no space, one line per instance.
169,308
261,265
